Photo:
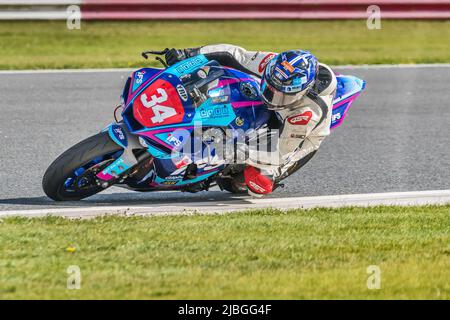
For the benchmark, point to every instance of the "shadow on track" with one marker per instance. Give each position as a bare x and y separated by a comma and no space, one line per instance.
128,198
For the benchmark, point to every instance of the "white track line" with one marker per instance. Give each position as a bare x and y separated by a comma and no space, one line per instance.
44,71
393,66
349,67
39,2
207,207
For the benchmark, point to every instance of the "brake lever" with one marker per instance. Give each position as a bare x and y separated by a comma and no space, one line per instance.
158,53
162,62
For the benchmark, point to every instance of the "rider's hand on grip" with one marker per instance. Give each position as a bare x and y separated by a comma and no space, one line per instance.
175,55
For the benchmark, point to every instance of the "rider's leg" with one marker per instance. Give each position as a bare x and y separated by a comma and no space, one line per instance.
296,166
261,182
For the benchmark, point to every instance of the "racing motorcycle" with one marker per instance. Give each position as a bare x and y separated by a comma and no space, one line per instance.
161,109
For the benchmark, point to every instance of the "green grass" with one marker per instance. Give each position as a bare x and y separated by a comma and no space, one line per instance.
321,253
37,45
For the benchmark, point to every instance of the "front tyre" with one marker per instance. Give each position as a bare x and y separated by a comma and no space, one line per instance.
72,176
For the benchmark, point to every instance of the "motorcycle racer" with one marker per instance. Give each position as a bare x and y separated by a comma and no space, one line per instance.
293,84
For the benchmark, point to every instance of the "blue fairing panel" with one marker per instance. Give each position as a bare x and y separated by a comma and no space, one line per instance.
348,86
347,90
141,76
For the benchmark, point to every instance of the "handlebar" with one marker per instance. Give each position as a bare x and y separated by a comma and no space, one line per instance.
158,53
145,54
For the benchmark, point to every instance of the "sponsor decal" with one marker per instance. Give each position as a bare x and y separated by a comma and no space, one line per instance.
301,119
182,92
173,140
202,74
177,177
206,69
169,183
287,66
219,100
185,77
336,117
116,168
118,135
189,64
257,187
214,113
183,163
265,61
139,77
216,92
239,121
158,105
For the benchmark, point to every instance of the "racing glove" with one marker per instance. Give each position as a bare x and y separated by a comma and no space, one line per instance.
176,55
258,184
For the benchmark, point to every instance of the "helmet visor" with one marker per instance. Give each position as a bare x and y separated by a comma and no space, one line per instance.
277,99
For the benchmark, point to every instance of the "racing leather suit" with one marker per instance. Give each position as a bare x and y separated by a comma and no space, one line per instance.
304,126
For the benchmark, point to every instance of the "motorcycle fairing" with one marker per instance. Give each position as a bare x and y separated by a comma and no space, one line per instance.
150,112
170,170
232,100
225,104
117,135
142,76
120,134
138,80
170,176
187,66
347,90
211,114
115,169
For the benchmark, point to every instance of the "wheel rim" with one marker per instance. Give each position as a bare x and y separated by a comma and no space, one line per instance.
83,179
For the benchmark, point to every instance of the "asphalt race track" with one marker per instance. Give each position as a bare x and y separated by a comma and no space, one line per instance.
396,136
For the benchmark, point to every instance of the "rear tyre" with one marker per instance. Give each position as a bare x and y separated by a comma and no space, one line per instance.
72,175
232,185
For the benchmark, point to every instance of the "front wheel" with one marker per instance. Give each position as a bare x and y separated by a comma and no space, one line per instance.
72,176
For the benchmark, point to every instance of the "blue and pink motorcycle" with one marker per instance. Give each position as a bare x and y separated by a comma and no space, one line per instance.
161,110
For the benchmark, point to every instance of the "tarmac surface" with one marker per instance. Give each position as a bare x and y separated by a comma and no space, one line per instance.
396,137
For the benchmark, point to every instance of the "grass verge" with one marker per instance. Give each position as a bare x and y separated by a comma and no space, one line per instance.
41,45
320,253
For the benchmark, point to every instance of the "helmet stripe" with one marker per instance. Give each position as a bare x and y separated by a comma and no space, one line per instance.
282,73
295,59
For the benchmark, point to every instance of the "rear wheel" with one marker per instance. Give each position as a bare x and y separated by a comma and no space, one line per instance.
235,185
72,176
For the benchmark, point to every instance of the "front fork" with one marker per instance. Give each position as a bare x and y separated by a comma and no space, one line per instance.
132,154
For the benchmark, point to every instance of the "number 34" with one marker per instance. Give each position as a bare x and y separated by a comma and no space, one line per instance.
161,112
